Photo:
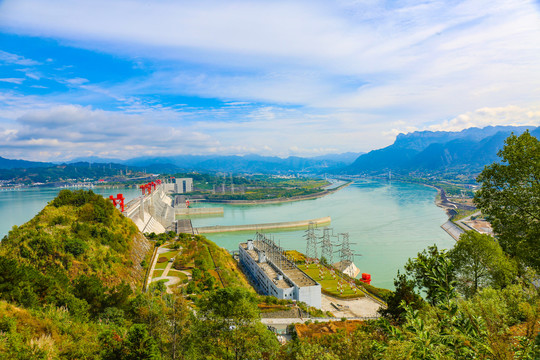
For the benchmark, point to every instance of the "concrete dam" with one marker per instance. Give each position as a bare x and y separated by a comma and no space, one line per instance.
152,212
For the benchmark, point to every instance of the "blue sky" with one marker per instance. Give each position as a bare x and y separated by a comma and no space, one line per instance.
127,78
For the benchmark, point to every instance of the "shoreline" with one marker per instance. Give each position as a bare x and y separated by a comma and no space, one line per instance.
281,200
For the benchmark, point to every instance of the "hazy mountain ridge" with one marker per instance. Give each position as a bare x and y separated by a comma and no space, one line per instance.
16,164
250,163
468,150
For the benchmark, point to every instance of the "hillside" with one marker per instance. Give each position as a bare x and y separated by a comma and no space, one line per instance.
466,151
67,173
78,233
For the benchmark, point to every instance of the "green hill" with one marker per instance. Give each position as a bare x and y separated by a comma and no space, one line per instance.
77,240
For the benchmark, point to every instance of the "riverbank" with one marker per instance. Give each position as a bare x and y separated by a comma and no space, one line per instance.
282,200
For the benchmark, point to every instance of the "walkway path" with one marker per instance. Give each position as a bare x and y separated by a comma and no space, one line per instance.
171,280
166,271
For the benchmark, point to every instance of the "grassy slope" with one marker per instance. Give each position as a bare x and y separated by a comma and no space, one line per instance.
81,233
198,251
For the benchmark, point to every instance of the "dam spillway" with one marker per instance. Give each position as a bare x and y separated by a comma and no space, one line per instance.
152,212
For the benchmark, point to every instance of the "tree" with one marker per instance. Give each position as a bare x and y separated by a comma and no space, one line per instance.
228,326
403,295
433,272
510,198
480,261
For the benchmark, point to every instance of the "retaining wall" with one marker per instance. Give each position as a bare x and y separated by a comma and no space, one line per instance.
303,224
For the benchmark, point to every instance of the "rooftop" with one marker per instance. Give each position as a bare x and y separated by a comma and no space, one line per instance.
280,261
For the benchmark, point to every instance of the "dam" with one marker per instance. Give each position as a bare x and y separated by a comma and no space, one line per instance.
152,212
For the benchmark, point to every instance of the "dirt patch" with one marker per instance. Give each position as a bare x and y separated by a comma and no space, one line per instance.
482,226
326,328
362,307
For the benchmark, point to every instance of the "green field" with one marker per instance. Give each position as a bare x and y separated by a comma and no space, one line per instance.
157,273
177,274
169,254
329,284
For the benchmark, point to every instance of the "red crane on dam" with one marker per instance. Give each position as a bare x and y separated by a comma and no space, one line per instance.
118,200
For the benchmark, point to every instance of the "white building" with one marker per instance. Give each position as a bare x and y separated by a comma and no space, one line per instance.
273,274
183,185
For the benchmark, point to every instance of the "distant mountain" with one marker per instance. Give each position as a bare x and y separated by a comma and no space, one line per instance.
239,164
468,150
95,160
346,158
21,164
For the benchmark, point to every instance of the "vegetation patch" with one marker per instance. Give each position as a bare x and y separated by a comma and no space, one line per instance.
162,259
157,273
161,265
326,328
329,283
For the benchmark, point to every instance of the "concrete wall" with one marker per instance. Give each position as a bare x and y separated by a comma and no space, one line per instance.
199,211
303,224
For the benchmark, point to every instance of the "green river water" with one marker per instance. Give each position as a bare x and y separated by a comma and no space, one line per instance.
389,222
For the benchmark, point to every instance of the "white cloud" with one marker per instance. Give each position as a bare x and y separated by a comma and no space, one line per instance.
436,58
74,130
499,116
12,80
509,115
297,77
9,58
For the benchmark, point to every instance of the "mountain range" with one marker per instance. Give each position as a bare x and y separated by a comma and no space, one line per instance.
466,151
211,163
21,164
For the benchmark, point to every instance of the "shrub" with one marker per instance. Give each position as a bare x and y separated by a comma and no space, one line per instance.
75,246
162,259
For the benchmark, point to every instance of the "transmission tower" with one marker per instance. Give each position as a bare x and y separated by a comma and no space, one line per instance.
311,239
327,246
345,252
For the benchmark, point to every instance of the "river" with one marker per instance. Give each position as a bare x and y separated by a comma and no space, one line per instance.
388,222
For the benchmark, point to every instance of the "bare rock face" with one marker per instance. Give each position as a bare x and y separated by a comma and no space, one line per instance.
139,250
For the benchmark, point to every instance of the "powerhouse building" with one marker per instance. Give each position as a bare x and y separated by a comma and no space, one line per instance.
274,274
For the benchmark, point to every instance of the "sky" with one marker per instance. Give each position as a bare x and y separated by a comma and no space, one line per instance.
128,78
